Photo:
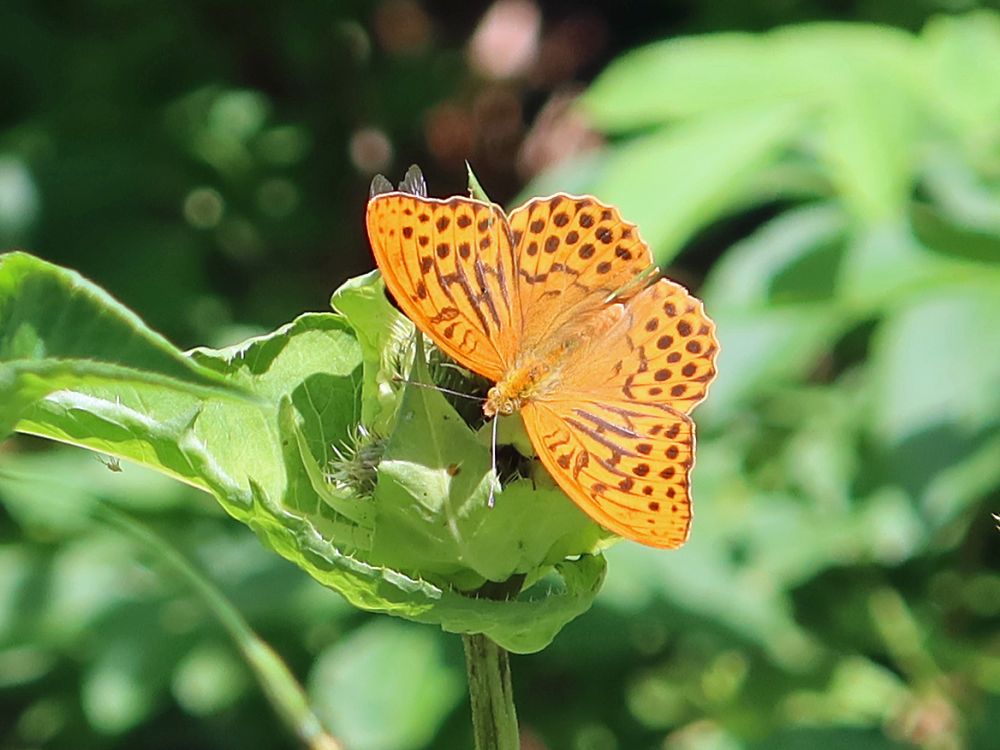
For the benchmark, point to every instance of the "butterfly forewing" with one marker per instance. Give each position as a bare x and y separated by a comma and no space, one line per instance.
625,464
449,265
573,253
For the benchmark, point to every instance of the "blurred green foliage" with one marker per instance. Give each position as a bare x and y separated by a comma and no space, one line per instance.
853,434
839,186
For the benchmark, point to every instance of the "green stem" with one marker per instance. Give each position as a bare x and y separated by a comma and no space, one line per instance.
279,685
901,635
494,720
475,189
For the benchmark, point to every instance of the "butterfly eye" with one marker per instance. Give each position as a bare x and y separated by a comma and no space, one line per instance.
507,408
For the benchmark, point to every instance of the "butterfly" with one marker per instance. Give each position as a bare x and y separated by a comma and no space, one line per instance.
559,304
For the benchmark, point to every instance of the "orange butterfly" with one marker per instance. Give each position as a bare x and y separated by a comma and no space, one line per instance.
559,304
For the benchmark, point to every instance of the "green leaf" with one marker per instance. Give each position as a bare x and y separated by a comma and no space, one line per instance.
963,65
675,181
56,329
432,495
685,77
936,396
256,425
937,360
869,142
381,330
576,176
50,312
937,233
884,265
762,351
753,272
857,85
965,197
387,686
960,477
691,76
865,80
773,299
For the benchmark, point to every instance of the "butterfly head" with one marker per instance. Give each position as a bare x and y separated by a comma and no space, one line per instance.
499,401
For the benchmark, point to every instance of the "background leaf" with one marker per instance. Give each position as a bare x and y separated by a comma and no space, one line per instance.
718,155
840,587
376,713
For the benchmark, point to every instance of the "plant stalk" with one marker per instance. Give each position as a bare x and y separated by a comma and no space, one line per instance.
494,720
283,691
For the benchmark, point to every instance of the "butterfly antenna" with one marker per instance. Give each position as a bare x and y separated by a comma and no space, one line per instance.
647,277
494,477
398,379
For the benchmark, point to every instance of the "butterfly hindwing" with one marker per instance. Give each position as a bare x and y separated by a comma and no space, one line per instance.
449,265
671,348
661,349
625,464
615,431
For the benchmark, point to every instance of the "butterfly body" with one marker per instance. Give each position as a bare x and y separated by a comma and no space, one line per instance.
537,376
559,305
507,396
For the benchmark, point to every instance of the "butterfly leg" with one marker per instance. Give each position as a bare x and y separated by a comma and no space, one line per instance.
494,477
